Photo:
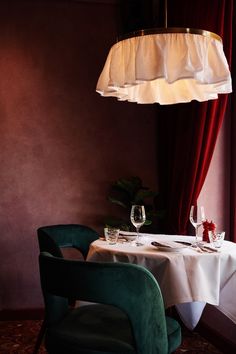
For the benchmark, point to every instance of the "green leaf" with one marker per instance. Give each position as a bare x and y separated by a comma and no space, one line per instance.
143,194
130,185
148,222
117,202
127,186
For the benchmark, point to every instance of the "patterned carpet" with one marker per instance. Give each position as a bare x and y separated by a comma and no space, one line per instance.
18,337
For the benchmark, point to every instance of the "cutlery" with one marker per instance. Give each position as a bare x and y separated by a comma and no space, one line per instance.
203,249
184,243
154,243
209,249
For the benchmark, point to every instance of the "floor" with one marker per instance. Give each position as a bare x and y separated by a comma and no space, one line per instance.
18,337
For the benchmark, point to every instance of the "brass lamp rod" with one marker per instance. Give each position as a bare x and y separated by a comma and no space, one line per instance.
167,29
165,13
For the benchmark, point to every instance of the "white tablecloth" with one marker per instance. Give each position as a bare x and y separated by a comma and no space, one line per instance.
187,278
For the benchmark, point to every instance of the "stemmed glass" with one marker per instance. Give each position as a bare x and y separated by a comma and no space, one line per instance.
196,217
138,218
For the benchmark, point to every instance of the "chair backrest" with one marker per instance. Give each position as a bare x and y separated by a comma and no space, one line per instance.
130,287
52,238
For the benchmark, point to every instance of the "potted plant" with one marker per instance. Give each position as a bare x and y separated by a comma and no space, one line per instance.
126,192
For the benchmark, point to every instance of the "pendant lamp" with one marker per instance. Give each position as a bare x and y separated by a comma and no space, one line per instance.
166,66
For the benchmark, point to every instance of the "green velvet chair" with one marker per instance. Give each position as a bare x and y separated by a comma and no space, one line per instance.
53,239
128,317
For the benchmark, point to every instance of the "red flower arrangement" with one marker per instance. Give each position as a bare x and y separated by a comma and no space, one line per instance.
208,226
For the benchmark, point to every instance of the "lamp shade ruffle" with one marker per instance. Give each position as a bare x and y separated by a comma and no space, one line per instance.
166,68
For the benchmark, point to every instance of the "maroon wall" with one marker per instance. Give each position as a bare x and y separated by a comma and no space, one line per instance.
61,143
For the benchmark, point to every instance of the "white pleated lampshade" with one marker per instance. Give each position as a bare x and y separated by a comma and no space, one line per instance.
166,68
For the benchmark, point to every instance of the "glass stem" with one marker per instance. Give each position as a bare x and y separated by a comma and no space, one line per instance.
197,227
137,238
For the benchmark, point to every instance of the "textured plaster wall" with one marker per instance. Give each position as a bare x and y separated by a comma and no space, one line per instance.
61,144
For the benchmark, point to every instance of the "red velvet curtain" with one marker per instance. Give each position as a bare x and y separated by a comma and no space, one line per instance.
187,133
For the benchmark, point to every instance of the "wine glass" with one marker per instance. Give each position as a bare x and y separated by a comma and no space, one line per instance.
138,218
196,217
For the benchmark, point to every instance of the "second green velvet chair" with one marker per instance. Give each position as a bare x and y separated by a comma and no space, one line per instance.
53,238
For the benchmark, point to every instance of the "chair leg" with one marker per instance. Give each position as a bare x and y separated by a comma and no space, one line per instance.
40,337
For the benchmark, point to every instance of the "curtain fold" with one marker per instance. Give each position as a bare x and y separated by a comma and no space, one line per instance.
187,133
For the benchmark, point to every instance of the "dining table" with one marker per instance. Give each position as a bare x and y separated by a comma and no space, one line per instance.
188,276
